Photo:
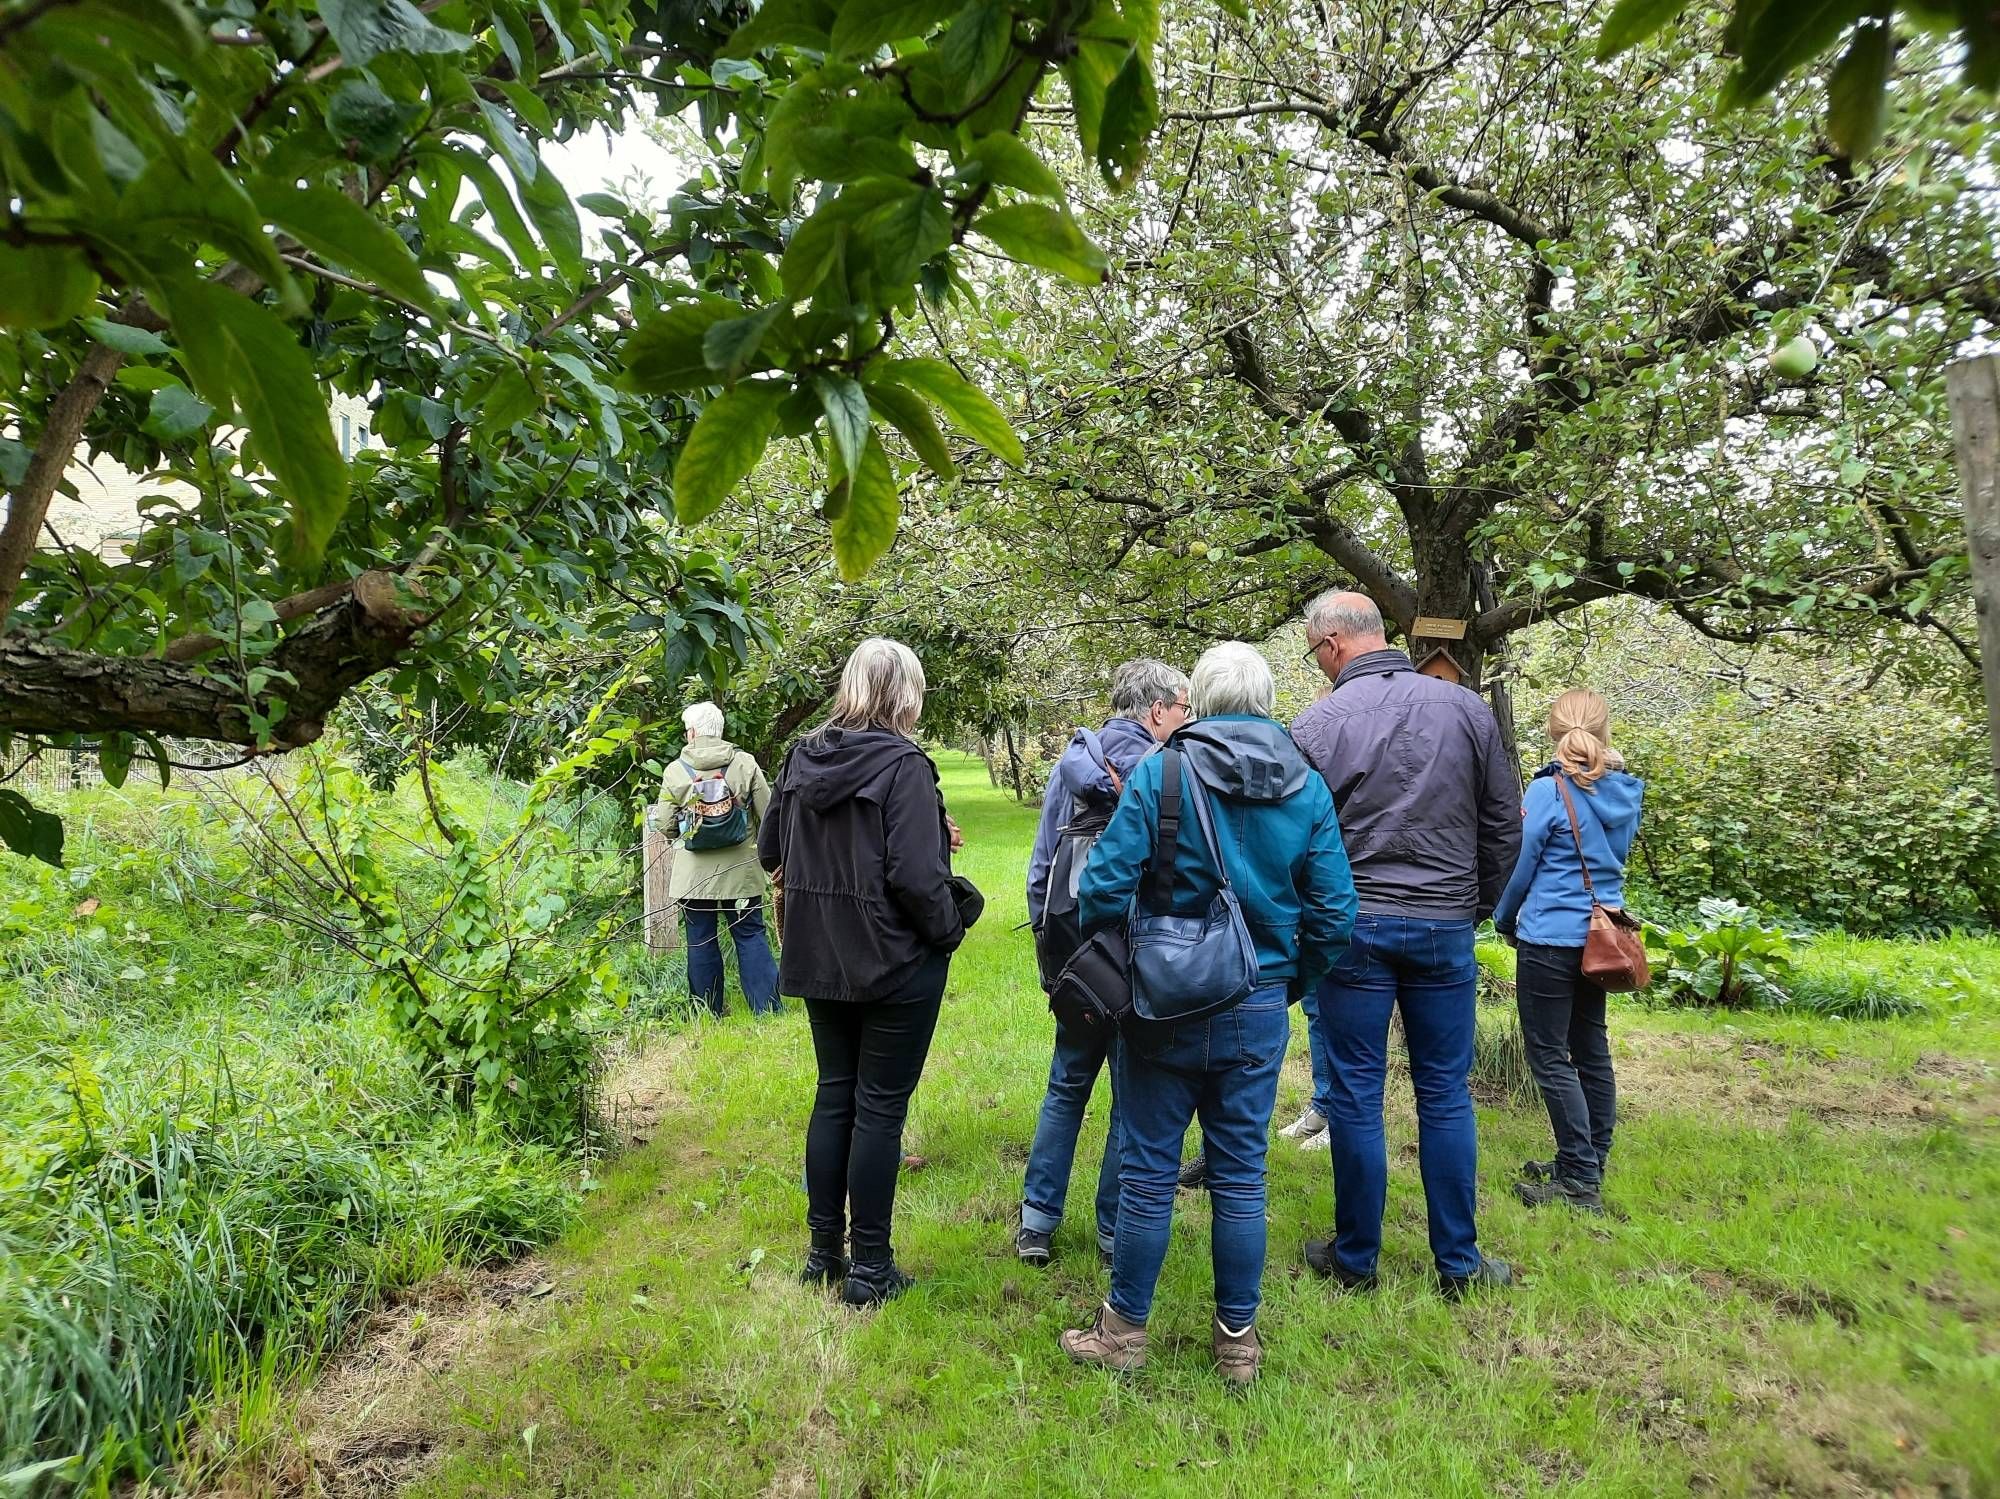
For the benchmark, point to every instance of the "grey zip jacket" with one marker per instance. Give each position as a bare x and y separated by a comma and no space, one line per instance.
1429,803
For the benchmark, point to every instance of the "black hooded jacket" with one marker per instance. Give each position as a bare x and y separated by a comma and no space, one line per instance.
857,824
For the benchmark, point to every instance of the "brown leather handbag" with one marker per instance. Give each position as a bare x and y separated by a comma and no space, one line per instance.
1614,950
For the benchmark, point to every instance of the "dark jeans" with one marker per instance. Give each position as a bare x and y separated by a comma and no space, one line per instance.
755,966
1226,1070
871,1053
1079,1056
1569,1051
1425,968
1322,1063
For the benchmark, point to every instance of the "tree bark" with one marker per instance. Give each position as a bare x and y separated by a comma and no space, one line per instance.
1973,388
52,689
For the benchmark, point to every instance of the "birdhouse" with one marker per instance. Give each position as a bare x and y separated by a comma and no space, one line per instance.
1438,662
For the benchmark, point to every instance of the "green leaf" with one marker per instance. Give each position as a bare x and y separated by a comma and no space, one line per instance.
977,46
506,217
114,758
1131,115
176,413
1857,93
337,229
1037,235
365,29
1089,74
358,112
189,191
865,26
125,338
785,23
44,286
28,830
907,413
1631,22
244,359
815,249
968,408
1785,34
866,524
509,398
16,456
1006,161
509,142
846,409
666,352
906,231
730,345
727,440
548,204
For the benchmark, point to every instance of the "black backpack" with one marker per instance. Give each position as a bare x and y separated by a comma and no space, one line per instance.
1093,990
1061,934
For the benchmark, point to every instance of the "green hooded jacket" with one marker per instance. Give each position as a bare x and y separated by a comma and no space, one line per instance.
732,873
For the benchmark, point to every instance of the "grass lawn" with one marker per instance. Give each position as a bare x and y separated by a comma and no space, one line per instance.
1798,1289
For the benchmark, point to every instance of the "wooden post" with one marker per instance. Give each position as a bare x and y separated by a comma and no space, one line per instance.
663,916
1973,388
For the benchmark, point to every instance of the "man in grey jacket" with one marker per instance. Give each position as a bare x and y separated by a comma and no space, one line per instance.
1429,805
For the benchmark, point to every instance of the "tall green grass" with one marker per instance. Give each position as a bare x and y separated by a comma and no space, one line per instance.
214,1152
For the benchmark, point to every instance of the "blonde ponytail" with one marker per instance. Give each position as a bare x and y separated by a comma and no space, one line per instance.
1580,724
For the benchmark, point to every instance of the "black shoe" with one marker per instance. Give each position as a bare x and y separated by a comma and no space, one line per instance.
1194,1175
1575,1194
824,1267
871,1285
1319,1258
1491,1275
1032,1247
1538,1171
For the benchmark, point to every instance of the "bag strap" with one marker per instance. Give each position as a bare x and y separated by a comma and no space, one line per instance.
1582,858
1160,883
1206,818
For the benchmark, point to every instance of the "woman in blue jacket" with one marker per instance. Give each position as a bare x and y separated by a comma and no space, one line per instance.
1279,843
1545,912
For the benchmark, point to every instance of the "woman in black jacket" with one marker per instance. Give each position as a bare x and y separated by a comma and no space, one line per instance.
857,827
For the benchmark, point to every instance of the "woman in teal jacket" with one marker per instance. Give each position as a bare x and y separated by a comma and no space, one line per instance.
1280,841
1545,912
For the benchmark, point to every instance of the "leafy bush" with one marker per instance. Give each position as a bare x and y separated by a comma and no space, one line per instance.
1873,816
1731,957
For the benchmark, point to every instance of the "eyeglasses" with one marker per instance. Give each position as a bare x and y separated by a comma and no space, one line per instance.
1311,657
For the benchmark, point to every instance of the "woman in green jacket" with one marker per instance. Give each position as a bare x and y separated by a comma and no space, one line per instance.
720,796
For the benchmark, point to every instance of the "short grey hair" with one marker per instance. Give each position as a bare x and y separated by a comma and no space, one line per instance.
702,721
881,687
1232,678
1137,685
1341,611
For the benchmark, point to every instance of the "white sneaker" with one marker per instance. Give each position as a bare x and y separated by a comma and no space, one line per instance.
1308,1123
1321,1141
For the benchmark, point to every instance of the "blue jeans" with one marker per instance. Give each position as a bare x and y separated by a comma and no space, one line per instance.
1224,1069
1072,1075
1427,968
1322,1063
754,964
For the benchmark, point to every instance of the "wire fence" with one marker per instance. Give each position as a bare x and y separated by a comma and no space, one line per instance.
40,770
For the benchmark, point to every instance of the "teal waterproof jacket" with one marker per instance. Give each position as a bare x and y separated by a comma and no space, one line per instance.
1280,842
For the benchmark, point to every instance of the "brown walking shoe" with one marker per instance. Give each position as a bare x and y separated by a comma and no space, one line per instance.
1110,1342
1237,1354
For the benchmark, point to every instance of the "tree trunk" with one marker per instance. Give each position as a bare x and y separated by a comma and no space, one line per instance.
1444,571
1013,761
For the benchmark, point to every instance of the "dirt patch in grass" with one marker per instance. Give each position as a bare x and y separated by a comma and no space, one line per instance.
643,1086
1765,1084
1801,1302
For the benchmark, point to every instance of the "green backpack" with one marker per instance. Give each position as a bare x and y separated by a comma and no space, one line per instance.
714,817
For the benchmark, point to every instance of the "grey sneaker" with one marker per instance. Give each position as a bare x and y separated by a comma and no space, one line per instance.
1575,1194
1538,1171
1194,1174
1311,1122
1320,1260
1491,1275
1032,1247
1323,1141
1237,1354
1110,1342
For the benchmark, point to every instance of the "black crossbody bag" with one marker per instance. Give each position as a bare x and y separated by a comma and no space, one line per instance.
1094,990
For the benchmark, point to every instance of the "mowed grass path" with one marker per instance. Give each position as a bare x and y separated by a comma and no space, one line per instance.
1799,1288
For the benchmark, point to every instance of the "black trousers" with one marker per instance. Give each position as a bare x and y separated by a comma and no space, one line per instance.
1569,1051
871,1053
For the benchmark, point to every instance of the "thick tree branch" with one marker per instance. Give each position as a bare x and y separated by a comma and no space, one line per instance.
28,506
46,688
